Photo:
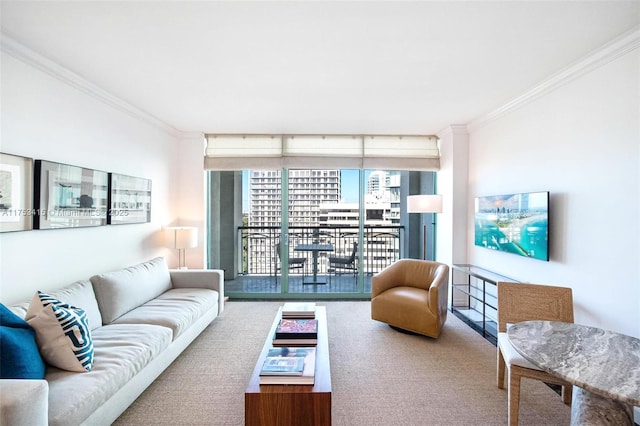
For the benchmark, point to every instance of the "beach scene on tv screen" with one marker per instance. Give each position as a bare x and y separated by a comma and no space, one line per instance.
514,223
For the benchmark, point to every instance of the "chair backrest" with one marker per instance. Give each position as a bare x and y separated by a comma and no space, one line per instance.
412,273
527,302
277,259
352,258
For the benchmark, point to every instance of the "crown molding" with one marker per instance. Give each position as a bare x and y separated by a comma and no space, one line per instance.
453,129
600,57
53,69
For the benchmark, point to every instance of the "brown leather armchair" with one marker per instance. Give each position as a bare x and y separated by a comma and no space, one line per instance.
411,295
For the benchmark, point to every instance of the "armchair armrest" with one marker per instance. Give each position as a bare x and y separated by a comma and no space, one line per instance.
439,292
200,278
24,402
389,277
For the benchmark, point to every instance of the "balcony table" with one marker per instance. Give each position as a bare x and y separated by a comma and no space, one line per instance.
314,249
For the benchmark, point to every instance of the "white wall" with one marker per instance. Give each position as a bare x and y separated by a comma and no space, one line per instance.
451,244
580,142
44,118
192,196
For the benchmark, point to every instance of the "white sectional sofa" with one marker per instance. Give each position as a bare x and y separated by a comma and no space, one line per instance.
141,318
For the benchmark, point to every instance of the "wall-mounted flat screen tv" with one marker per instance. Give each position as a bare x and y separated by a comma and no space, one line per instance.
514,223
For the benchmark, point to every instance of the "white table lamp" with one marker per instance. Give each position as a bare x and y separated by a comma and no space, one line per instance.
424,204
181,238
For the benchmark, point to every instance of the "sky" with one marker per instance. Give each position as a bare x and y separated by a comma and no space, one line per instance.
349,185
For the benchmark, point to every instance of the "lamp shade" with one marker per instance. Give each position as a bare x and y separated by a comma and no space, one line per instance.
181,237
424,203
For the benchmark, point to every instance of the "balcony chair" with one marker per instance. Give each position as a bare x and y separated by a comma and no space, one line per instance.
344,263
411,295
294,263
527,302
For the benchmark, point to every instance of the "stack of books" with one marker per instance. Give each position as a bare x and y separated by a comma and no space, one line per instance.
296,332
289,366
299,310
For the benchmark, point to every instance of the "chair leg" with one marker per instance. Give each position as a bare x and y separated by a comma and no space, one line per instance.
567,393
513,397
500,369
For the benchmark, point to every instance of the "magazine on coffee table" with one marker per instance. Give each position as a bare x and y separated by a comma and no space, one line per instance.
307,377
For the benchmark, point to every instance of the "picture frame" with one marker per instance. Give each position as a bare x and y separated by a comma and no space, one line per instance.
16,193
129,199
67,196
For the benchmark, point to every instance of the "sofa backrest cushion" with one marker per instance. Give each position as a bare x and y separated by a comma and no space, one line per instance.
81,295
121,291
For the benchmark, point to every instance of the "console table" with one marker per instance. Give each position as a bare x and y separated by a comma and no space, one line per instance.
474,298
292,405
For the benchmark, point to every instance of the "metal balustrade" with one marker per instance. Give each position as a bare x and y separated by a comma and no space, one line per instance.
382,245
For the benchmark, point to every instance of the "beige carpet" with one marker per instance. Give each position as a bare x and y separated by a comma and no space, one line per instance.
379,376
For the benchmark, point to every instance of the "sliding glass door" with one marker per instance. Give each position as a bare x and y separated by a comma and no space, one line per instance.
307,233
323,230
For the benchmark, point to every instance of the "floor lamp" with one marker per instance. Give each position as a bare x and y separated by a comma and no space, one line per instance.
181,238
424,204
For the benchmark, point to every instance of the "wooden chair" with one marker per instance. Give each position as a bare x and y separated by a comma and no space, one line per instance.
294,263
527,302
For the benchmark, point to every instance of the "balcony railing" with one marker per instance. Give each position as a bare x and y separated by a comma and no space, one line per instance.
259,256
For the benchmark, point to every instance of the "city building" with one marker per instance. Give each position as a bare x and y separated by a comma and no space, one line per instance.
307,190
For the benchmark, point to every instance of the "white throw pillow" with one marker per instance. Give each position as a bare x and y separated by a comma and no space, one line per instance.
62,333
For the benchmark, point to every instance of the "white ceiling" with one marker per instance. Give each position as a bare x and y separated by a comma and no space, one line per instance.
316,67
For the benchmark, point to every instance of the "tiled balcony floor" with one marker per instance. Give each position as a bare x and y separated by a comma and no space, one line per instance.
342,283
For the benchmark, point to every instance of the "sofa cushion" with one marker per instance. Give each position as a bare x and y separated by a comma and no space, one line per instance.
62,333
121,351
120,291
20,356
20,309
81,295
177,309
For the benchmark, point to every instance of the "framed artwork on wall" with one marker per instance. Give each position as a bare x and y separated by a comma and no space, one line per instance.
16,186
129,199
68,196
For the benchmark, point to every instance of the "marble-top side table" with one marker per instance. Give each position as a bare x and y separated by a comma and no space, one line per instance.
603,366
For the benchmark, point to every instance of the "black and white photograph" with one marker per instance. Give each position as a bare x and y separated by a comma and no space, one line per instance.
16,210
69,196
130,199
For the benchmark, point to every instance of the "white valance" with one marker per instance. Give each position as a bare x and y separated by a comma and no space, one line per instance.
240,152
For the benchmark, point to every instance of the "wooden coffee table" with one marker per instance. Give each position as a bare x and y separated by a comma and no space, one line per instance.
292,405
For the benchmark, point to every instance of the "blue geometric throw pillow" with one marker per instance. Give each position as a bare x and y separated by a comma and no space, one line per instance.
62,333
19,356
